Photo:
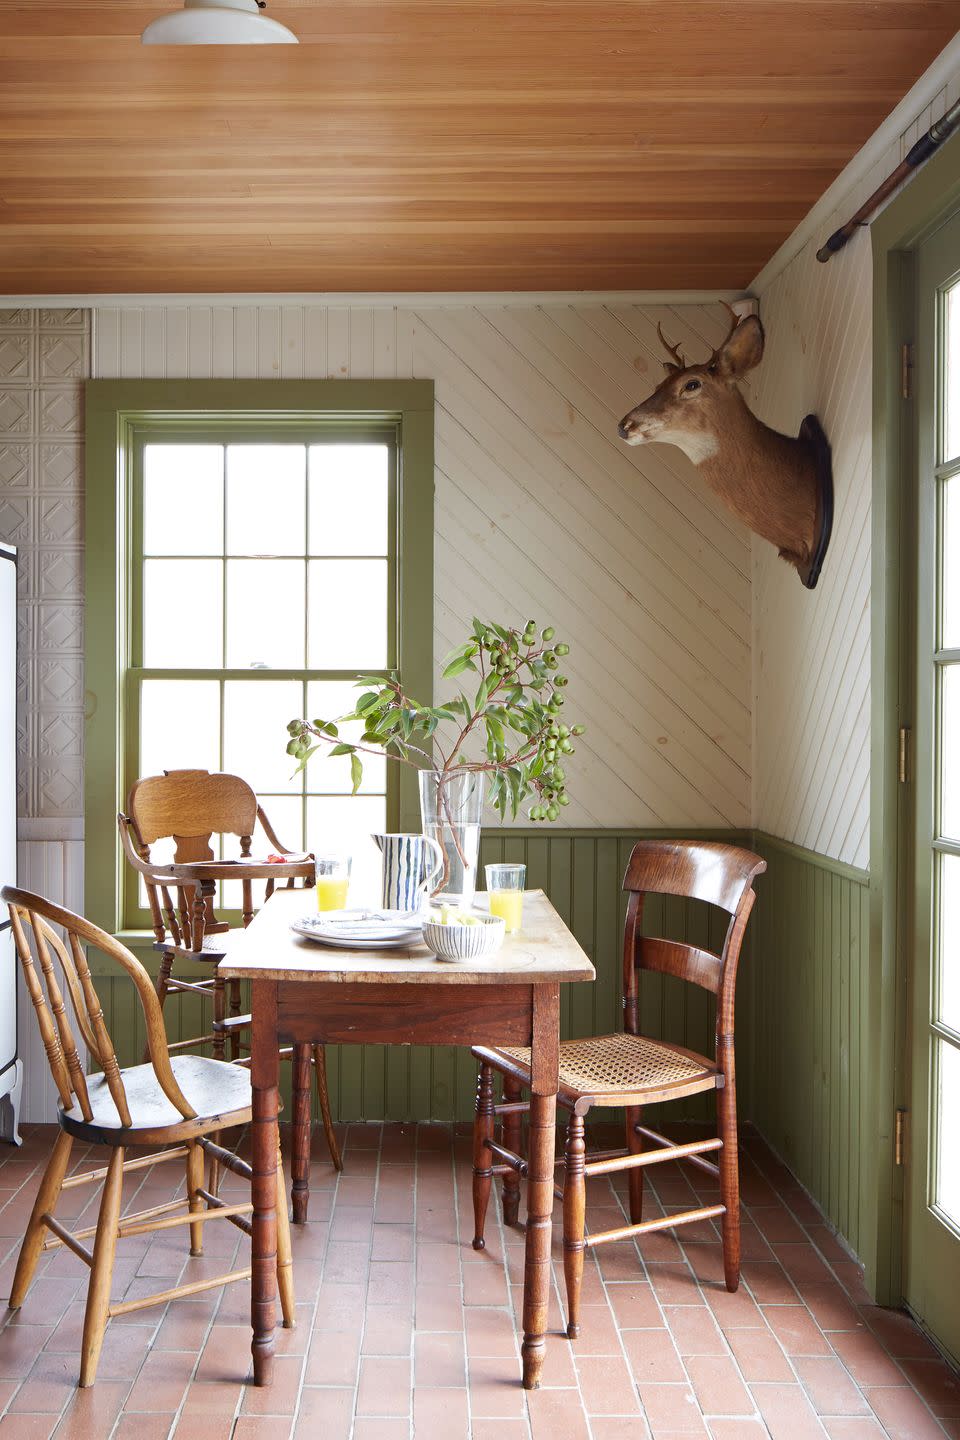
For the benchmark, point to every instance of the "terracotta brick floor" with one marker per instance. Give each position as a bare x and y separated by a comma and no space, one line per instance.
402,1329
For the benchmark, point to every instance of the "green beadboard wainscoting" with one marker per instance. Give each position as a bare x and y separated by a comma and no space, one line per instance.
804,1050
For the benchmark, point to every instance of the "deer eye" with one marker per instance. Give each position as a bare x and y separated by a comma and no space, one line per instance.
692,385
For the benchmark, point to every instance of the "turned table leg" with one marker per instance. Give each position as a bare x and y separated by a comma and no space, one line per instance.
265,1076
300,1149
544,1060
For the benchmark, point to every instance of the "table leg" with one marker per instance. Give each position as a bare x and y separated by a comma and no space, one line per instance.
300,1153
265,1078
544,1060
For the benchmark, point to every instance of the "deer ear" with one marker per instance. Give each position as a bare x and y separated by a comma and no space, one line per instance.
742,350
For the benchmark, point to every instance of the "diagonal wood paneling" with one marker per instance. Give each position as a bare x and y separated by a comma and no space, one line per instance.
541,512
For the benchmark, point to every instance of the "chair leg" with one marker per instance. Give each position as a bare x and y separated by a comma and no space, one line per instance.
45,1204
729,1182
300,1154
219,1013
162,989
101,1272
195,1201
512,1125
284,1252
482,1157
574,1216
234,1012
323,1097
635,1176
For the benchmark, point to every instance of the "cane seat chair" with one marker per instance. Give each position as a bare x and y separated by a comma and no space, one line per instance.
633,1070
186,809
177,1102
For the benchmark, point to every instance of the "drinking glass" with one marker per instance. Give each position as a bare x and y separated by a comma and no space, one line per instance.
333,881
505,887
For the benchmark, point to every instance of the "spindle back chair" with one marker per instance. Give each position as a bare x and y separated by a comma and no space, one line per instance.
179,1102
633,1071
188,808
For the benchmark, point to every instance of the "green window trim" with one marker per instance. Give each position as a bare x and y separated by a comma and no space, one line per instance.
120,415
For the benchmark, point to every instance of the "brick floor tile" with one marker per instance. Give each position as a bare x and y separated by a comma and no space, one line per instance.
333,1358
438,1361
162,1381
775,1222
490,1332
787,1412
738,1429
653,1356
366,1428
557,1415
759,1356
499,1429
606,1385
211,1397
493,1389
803,1264
598,1331
386,1332
634,1304
260,1427
619,1427
675,1285
210,1427
829,1386
439,1415
384,1386
831,1307
717,1385
392,1242
850,1427
391,1283
93,1412
897,1332
865,1358
27,1427
796,1330
281,1397
672,1409
340,1306
736,1311
694,1330
937,1384
323,1411
902,1413
768,1283
20,1345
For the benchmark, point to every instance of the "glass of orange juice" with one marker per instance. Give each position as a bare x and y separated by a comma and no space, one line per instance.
505,890
333,881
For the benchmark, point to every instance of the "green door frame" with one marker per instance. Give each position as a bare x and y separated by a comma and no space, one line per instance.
896,234
113,409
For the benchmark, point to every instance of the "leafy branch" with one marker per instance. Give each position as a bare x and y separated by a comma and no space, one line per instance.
509,729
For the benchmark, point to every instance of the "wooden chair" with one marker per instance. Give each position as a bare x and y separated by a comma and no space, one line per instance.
179,1103
633,1071
189,807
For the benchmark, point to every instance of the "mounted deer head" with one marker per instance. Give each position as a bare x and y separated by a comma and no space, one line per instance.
778,486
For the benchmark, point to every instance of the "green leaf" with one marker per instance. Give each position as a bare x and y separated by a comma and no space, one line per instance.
367,702
356,772
457,667
303,760
486,685
342,749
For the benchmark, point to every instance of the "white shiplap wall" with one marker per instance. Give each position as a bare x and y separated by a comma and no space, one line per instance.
811,652
540,511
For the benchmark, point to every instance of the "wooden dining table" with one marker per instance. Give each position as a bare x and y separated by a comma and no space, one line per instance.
305,992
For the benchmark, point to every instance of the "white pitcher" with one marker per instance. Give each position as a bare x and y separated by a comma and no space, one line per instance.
409,874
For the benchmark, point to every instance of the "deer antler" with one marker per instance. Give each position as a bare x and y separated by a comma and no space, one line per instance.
734,322
673,350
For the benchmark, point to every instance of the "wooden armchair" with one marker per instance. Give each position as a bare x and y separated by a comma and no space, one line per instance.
189,807
178,1102
633,1071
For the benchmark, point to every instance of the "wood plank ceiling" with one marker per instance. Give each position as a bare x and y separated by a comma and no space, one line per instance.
437,144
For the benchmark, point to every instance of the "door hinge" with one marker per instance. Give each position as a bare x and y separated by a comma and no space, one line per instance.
899,1136
906,370
903,753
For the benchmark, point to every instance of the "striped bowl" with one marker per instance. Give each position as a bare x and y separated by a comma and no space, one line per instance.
465,942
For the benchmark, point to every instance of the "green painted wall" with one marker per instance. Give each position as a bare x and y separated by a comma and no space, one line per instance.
804,1051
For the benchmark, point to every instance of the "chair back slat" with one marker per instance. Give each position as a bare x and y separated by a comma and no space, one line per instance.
687,962
105,1051
44,936
190,806
48,1031
41,915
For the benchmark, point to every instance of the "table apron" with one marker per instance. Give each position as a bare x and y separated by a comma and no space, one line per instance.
402,1014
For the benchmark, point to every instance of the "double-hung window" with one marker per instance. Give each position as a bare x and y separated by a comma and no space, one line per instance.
261,573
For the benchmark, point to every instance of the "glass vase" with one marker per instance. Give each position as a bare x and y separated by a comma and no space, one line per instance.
451,807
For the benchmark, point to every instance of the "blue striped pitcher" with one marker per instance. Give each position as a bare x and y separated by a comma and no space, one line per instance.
411,866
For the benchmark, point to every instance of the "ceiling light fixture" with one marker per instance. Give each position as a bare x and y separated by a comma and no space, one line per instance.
218,22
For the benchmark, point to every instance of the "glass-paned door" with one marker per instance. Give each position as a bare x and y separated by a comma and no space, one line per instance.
933,1200
263,580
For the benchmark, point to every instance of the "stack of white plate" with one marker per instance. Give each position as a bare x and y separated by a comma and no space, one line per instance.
362,929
